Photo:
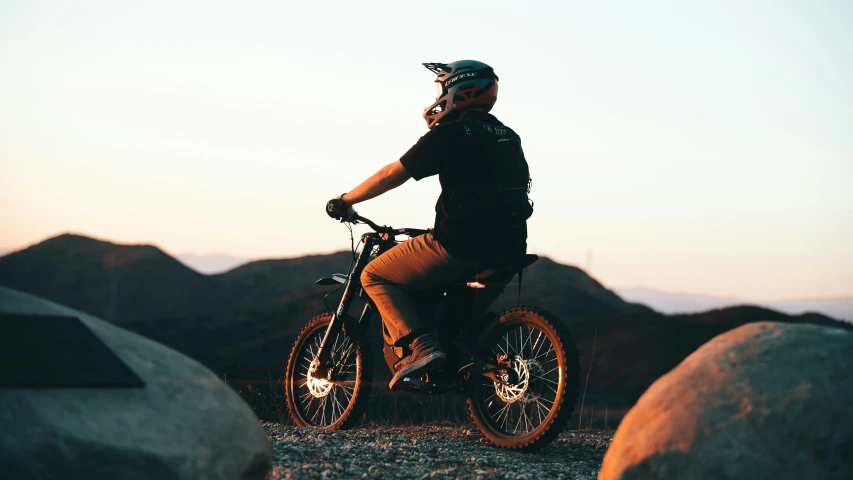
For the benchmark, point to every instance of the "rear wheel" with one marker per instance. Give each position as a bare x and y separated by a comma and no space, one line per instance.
530,413
316,402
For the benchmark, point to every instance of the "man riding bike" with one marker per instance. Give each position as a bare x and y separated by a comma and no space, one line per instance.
480,217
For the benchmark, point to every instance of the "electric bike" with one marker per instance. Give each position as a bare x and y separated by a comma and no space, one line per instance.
518,368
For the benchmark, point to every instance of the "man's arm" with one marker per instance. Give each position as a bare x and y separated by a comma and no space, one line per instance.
387,178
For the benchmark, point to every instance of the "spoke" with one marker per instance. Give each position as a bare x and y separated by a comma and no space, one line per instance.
500,412
314,418
518,336
546,362
341,404
506,417
347,346
539,409
528,425
537,345
551,349
346,354
529,341
515,430
334,403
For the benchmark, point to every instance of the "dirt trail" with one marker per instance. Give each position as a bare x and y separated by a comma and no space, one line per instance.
432,451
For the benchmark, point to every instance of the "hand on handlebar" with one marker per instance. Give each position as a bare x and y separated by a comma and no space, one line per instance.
338,209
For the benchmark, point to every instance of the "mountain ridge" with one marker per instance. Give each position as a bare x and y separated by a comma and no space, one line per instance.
113,281
242,322
840,307
93,275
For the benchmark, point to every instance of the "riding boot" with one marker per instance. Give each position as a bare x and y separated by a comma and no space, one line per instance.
427,355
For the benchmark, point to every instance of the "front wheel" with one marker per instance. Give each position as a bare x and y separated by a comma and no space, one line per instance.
529,414
320,403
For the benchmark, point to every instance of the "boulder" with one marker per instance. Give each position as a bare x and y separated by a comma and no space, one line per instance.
184,423
765,400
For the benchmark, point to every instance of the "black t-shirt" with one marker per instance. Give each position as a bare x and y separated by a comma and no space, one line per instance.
482,211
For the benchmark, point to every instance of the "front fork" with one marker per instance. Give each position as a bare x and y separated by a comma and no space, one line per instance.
324,355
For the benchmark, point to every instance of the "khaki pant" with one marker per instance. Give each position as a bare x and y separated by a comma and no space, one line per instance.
397,279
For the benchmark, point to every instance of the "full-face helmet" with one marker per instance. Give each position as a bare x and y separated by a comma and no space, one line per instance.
461,85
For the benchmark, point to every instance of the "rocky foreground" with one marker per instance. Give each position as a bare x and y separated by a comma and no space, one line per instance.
431,451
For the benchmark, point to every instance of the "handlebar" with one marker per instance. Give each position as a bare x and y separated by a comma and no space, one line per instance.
389,230
335,211
358,218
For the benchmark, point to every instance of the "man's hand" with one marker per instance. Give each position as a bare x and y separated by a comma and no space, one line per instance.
339,209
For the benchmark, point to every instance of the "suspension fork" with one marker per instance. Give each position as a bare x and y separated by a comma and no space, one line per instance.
336,325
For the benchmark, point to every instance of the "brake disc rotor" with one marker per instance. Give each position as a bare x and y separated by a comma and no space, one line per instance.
515,392
317,387
534,382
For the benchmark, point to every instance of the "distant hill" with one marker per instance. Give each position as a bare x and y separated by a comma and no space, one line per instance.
632,350
120,283
131,283
262,282
240,317
668,302
242,322
567,291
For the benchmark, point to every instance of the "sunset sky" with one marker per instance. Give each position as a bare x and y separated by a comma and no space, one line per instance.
704,148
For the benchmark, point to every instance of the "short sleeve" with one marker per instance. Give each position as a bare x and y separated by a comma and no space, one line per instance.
426,157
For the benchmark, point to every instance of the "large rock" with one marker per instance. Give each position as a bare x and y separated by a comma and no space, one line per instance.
765,400
185,423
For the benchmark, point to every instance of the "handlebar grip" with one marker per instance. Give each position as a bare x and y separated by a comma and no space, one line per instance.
335,210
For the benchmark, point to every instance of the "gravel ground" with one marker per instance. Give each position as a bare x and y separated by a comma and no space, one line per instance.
430,451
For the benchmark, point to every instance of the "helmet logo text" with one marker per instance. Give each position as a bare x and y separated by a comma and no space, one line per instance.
459,77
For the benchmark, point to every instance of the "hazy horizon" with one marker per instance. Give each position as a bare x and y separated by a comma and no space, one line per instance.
700,148
220,262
